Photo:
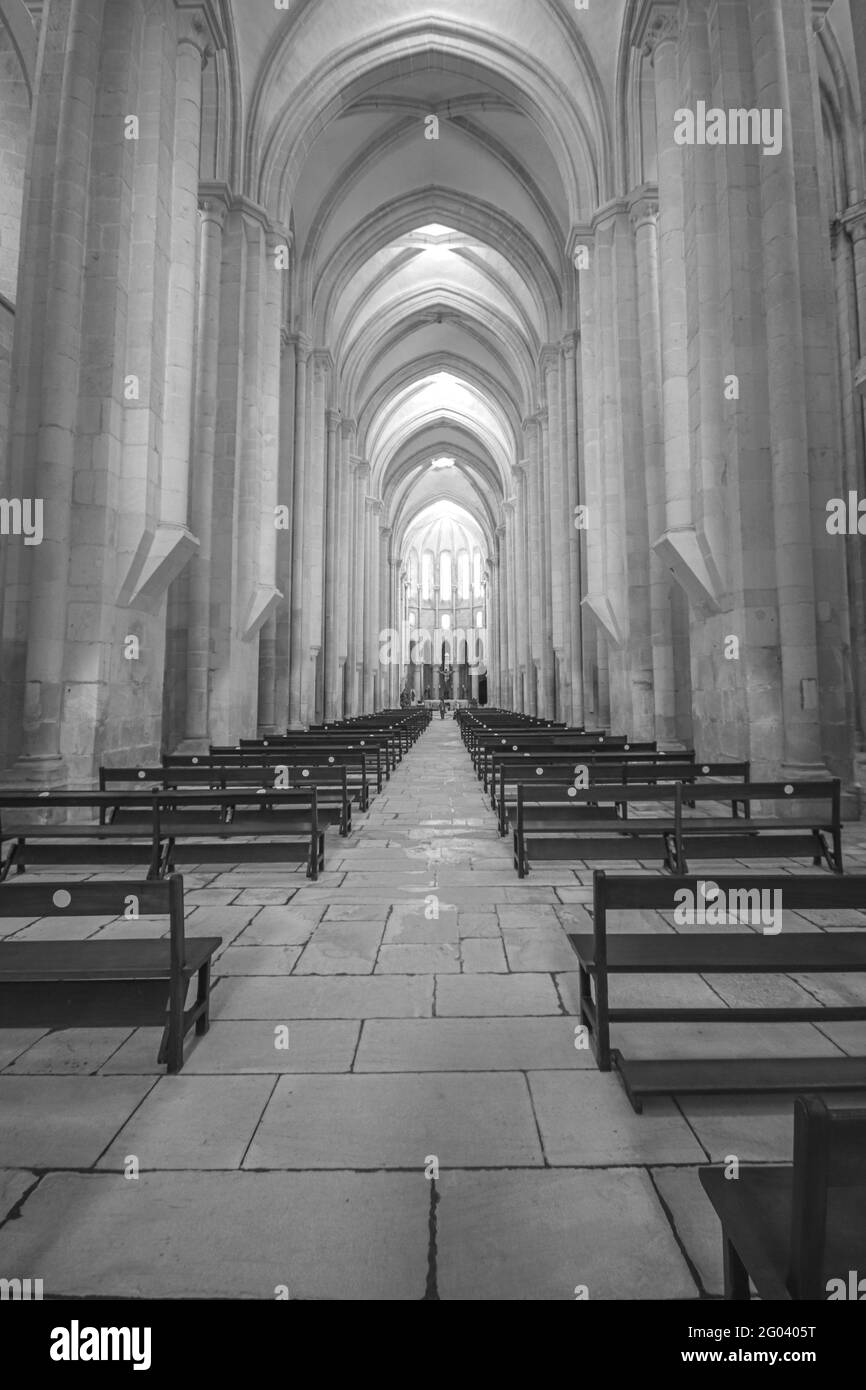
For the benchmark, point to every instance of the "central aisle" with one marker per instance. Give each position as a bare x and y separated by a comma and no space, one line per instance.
389,1104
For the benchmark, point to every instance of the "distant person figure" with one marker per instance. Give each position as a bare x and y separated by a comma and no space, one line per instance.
441,709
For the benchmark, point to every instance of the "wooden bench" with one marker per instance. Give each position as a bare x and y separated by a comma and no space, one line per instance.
335,799
797,1231
602,769
355,761
165,827
33,839
578,747
374,760
563,823
758,835
711,951
121,983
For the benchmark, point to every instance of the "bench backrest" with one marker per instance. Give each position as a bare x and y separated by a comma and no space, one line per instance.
829,1160
780,792
150,898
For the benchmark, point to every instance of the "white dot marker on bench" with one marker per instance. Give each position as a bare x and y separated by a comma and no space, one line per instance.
626,747
705,768
195,762
305,772
514,747
61,898
539,772
141,776
572,791
788,789
44,794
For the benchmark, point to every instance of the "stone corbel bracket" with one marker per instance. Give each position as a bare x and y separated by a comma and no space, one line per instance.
602,610
262,604
693,568
860,377
161,556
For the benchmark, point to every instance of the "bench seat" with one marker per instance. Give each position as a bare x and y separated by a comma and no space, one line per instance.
726,953
646,1077
115,983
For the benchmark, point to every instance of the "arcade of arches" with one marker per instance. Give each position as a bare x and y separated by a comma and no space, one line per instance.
249,306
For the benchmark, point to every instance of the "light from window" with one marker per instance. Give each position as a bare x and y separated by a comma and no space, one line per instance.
476,573
445,577
427,575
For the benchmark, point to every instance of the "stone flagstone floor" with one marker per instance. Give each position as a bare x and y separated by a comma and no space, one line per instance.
429,997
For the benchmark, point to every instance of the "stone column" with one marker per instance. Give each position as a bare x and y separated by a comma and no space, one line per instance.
504,587
543,562
522,553
192,51
345,491
298,645
213,212
494,681
261,616
789,432
513,635
283,636
662,42
371,602
551,368
574,635
849,252
54,258
314,534
332,595
357,650
644,216
534,563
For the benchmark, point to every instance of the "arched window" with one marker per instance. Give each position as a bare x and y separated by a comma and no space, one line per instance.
413,570
426,576
445,583
476,574
463,576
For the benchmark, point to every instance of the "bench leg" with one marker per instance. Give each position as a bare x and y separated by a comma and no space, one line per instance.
602,1041
736,1275
202,999
174,1040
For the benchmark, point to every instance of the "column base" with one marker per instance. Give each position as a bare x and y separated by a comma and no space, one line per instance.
193,747
36,774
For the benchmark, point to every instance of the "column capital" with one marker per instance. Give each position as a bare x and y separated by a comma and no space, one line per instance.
333,418
853,221
276,238
303,346
569,345
374,504
509,505
533,421
348,426
500,528
819,14
548,358
214,201
643,207
655,23
323,360
199,23
519,471
360,467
